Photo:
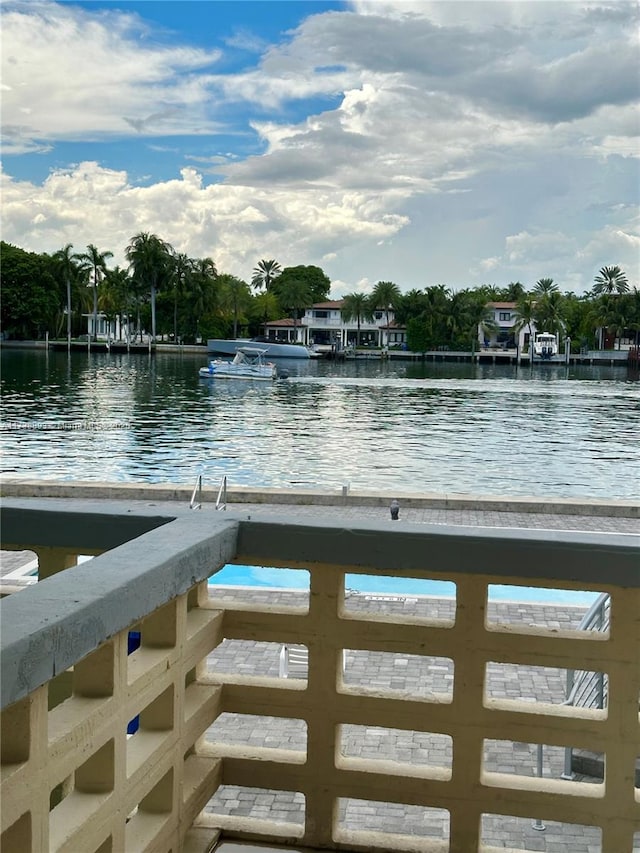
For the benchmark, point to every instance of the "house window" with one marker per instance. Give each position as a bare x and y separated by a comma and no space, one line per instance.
321,314
378,315
504,316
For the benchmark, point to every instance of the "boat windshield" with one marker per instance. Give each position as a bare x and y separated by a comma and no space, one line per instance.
249,354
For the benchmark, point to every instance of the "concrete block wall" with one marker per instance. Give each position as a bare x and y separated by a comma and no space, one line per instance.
73,779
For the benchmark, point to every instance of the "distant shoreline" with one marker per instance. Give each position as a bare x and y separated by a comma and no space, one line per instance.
611,358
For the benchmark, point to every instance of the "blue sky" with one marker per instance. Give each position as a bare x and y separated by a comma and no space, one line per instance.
421,142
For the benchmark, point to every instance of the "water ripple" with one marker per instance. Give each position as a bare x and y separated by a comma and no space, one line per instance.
378,426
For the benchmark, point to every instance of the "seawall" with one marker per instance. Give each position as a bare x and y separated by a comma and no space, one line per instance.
25,488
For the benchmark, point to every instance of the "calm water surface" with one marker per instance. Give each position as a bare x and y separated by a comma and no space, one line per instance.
399,426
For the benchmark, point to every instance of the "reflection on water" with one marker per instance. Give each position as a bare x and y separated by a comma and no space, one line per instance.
390,426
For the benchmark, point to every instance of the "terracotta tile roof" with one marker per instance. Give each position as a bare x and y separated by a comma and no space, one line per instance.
502,305
286,321
335,303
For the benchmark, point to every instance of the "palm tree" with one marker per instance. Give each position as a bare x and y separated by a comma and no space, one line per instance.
265,306
512,292
113,295
436,314
549,313
181,269
234,297
480,318
356,306
525,312
610,280
264,273
150,258
97,263
616,314
295,295
385,295
544,287
634,323
202,288
69,269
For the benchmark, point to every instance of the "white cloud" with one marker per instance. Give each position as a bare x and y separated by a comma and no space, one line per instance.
463,138
82,74
91,204
561,256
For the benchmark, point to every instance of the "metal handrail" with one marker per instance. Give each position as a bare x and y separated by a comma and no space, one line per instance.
197,489
221,501
588,689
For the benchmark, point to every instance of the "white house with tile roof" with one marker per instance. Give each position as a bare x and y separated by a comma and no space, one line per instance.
504,336
323,325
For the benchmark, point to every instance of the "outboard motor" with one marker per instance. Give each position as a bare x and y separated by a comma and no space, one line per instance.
283,374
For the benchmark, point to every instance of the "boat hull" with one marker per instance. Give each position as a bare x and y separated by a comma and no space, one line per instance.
223,346
264,374
545,346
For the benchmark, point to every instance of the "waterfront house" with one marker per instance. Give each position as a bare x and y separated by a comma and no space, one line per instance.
504,335
323,325
117,328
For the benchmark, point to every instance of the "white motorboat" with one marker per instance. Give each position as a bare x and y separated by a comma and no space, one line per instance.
248,363
545,345
274,349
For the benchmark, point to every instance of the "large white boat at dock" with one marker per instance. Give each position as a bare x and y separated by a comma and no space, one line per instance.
545,345
272,349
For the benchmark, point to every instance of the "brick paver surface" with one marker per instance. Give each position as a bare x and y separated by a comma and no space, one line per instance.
410,676
466,517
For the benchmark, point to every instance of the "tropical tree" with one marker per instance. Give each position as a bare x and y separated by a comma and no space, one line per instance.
234,297
97,263
264,274
70,268
417,335
150,260
317,283
525,316
634,322
549,313
264,307
202,290
579,318
616,314
545,286
412,304
610,280
436,314
427,317
386,295
356,306
115,298
512,292
32,299
456,317
480,317
181,268
295,295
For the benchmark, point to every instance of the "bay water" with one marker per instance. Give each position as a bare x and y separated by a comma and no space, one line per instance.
389,426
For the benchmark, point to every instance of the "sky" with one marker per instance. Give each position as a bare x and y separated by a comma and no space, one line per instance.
456,142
